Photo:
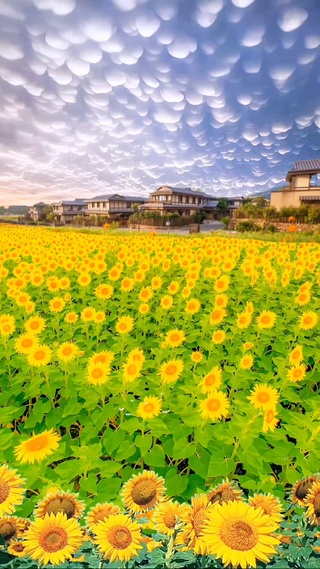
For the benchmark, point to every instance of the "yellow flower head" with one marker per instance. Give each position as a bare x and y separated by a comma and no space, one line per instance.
174,338
11,490
264,397
170,371
37,447
215,406
149,408
124,324
212,380
266,319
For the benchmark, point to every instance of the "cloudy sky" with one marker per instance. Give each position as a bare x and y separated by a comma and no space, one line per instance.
100,96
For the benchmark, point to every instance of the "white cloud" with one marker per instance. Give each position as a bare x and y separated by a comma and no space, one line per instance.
242,3
292,18
10,51
182,46
147,26
61,8
99,30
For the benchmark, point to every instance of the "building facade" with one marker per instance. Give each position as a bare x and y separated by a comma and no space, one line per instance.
303,188
65,211
36,212
182,201
113,206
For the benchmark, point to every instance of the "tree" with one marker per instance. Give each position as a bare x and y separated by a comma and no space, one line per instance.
223,205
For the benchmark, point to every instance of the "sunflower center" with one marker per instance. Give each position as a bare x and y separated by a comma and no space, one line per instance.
269,415
144,493
4,491
213,404
53,539
263,397
307,320
97,373
210,379
101,515
174,337
120,537
61,505
149,407
26,343
304,488
122,326
132,369
316,505
7,530
170,520
171,369
67,351
265,319
36,443
39,355
215,314
297,373
239,536
198,521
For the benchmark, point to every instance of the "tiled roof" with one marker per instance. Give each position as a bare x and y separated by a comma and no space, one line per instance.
184,191
307,165
106,197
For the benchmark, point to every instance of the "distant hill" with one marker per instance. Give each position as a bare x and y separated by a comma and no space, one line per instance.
266,193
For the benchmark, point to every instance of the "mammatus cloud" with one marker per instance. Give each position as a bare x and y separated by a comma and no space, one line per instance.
126,95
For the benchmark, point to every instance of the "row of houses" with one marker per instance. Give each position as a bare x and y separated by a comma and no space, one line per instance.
166,199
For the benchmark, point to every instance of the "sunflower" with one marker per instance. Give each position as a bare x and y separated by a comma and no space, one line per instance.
12,528
225,492
137,356
173,287
25,343
297,373
11,490
218,336
296,356
99,317
144,308
118,538
266,319
150,407
239,534
37,447
131,372
127,284
193,519
71,317
246,362
170,371
212,380
57,304
98,373
67,351
88,314
270,505
156,283
124,324
243,320
303,298
270,421
174,338
302,488
104,357
35,325
104,291
196,357
215,406
222,283
143,492
264,397
57,501
7,328
53,539
248,346
39,356
16,548
146,294
167,515
166,302
193,306
217,315
312,502
99,513
308,320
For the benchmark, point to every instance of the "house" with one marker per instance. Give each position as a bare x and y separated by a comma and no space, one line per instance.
65,211
36,212
113,206
182,201
303,188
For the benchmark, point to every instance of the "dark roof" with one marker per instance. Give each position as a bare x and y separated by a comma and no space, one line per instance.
184,191
73,202
303,165
40,204
106,197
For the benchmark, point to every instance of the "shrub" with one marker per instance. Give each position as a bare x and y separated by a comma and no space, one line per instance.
244,226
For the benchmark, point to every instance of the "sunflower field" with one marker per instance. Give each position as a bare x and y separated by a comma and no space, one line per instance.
158,400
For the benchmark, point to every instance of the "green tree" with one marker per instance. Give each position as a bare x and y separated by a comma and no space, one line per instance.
223,205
